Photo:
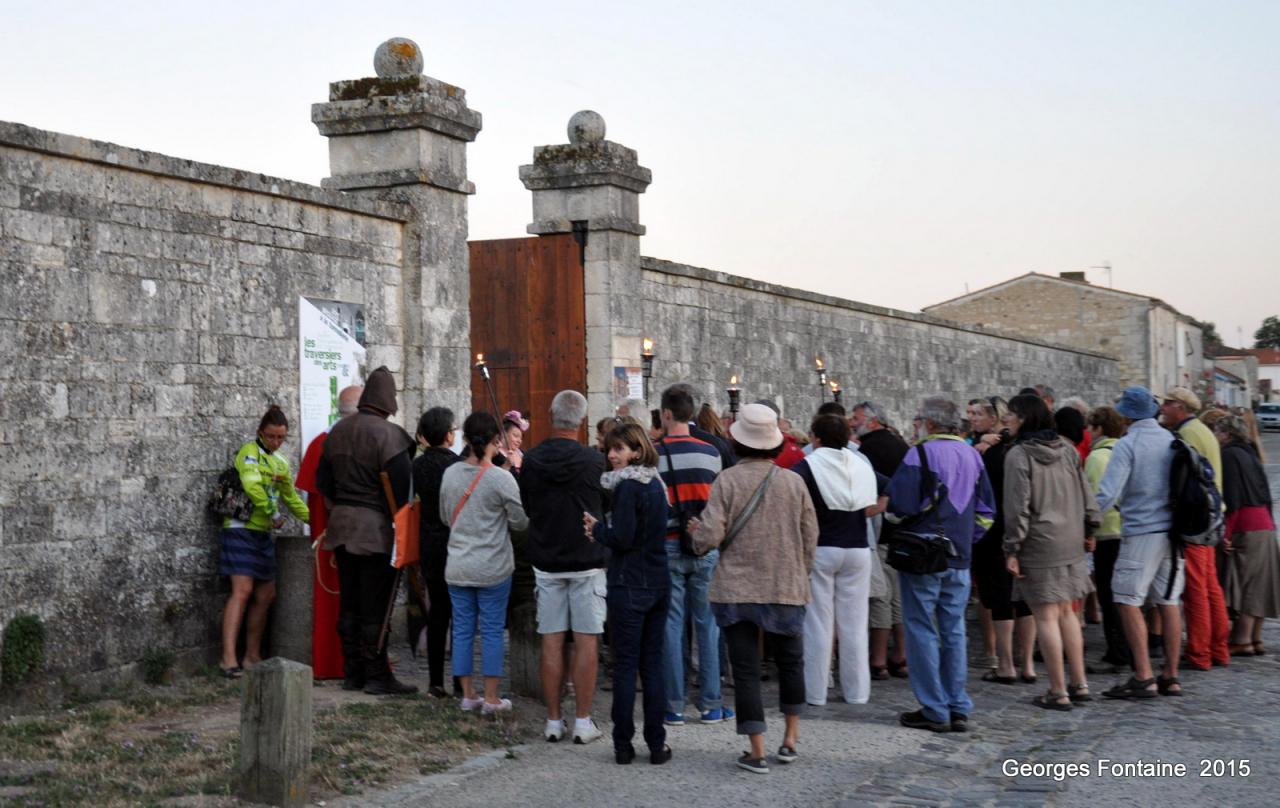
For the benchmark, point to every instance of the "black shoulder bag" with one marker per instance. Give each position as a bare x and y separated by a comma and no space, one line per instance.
914,552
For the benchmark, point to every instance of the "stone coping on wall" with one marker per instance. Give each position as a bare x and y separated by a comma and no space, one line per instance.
712,276
96,151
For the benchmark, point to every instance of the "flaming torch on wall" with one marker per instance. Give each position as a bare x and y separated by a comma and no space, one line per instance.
821,369
734,394
836,392
646,365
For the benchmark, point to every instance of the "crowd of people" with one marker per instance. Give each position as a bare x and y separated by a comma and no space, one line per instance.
709,544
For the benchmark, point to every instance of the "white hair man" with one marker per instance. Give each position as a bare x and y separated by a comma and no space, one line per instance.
559,480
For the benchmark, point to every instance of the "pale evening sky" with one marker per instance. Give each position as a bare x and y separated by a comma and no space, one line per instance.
888,152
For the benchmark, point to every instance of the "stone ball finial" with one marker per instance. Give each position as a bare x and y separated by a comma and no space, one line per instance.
397,57
586,126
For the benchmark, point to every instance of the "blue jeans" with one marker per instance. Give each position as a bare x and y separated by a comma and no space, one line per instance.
691,575
638,618
933,617
487,606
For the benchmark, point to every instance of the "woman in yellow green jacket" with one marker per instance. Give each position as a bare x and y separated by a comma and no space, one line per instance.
248,553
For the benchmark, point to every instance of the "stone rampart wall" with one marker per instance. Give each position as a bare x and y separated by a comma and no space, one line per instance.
714,325
148,316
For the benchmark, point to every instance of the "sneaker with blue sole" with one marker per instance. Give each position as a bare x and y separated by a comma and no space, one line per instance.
716,715
673,719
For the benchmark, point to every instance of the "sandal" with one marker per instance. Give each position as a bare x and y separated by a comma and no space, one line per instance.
879,672
1030,680
231,673
1133,689
1241,649
992,676
1258,649
1079,693
1165,686
898,670
1050,701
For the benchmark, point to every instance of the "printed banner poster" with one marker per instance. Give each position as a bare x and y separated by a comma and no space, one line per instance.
329,359
627,383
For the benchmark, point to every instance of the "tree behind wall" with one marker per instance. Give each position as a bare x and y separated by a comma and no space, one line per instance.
1268,336
1209,335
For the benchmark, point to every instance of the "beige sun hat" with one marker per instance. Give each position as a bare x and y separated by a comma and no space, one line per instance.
1185,397
757,428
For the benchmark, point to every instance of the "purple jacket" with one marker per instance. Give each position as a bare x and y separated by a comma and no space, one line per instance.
966,510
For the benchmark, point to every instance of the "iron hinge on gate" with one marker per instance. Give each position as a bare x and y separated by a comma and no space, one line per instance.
580,236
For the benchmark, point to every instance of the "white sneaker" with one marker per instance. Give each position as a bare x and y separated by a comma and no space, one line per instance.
587,733
470,705
503,706
554,731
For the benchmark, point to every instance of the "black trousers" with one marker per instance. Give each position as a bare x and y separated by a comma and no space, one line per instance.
744,653
366,582
1104,565
439,613
638,620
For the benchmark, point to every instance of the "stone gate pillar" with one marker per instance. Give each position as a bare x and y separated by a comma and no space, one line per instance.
591,187
402,135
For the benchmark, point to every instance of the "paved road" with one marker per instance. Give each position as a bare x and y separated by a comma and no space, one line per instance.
859,756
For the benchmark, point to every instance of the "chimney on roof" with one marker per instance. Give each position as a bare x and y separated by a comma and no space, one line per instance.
1073,276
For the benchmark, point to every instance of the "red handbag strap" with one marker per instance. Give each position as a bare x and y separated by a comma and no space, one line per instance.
458,508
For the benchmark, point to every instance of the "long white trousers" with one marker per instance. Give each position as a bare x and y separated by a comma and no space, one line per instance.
839,586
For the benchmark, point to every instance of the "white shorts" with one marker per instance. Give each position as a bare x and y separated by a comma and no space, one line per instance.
572,604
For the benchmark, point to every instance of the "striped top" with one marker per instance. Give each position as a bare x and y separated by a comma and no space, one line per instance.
688,467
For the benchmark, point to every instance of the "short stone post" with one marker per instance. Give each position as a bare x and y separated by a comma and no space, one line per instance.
524,650
289,633
275,733
592,186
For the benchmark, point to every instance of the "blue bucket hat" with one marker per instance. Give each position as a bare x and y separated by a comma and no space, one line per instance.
1137,402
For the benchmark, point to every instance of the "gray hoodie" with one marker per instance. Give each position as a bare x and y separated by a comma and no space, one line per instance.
1048,505
480,551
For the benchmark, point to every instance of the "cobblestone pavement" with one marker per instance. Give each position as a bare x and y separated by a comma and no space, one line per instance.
857,755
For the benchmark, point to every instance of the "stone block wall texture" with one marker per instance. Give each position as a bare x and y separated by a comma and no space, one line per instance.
148,317
711,325
1067,313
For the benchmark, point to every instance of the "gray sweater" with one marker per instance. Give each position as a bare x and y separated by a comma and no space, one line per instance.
480,551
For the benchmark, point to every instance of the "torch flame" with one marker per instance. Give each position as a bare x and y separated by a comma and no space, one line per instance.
479,357
817,363
733,380
647,346
835,385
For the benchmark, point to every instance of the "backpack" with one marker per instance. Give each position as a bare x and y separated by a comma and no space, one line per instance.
229,499
1194,498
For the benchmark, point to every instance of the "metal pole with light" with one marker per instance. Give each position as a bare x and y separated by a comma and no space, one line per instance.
483,367
646,365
